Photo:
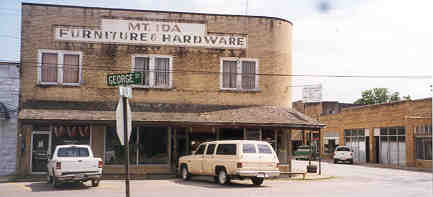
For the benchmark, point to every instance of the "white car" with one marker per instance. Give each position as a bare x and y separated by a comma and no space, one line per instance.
232,159
343,153
74,163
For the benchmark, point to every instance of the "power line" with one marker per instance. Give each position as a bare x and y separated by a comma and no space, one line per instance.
88,67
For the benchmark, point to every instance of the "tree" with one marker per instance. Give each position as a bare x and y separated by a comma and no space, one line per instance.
379,95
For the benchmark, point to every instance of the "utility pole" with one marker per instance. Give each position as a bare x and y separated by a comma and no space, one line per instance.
125,139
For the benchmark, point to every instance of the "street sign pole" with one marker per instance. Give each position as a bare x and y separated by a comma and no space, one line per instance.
125,93
125,139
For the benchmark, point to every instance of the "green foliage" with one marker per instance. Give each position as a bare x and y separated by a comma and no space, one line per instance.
379,95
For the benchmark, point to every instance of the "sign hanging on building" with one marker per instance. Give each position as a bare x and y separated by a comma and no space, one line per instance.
312,93
150,33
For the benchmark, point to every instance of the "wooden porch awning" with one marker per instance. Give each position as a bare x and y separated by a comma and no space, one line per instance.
202,115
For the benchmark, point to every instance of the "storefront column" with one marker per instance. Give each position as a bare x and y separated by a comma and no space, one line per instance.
217,133
97,137
175,151
373,158
188,143
289,148
23,151
284,146
169,146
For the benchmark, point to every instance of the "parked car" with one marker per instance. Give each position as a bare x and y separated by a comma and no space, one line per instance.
343,153
231,159
74,163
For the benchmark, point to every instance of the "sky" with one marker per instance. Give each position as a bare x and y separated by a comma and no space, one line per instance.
364,38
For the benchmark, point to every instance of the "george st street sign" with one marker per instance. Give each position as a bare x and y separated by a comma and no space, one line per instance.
124,79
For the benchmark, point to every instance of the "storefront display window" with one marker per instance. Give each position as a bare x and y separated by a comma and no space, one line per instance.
70,134
147,145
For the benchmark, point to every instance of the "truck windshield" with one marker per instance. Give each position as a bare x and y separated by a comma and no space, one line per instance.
73,152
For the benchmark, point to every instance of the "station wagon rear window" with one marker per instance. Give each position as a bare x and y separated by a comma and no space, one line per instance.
226,149
73,152
248,148
263,148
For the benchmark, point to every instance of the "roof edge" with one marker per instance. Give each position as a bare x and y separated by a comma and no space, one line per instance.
158,11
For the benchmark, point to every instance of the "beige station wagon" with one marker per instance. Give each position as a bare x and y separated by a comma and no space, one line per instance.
231,159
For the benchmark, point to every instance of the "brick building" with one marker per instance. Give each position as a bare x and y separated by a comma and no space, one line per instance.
397,133
9,89
203,77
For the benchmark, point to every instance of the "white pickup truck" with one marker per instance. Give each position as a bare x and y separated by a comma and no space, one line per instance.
73,163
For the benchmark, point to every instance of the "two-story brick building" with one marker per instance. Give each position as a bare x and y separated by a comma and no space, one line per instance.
396,133
203,77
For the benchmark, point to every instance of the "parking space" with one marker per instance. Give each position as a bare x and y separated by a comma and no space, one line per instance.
348,180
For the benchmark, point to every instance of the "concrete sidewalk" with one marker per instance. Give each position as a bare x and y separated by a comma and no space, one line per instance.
376,165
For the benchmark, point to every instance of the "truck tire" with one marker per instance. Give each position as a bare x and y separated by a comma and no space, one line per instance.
95,182
257,181
222,177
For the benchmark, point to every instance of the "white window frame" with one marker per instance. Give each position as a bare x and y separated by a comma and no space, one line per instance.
152,70
60,59
239,73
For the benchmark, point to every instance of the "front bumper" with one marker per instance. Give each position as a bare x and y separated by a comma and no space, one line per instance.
344,159
255,173
79,177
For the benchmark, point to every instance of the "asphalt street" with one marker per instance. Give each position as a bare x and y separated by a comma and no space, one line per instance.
343,180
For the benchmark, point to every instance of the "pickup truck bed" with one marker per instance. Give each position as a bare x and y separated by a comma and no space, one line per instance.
73,163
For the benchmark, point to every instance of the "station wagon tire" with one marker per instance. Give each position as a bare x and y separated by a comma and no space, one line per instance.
257,181
351,161
184,173
49,178
95,182
335,161
222,177
54,182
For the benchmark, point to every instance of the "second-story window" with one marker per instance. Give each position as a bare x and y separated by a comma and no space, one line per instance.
59,67
239,74
156,70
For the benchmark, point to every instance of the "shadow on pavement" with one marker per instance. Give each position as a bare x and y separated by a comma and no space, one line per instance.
208,182
44,187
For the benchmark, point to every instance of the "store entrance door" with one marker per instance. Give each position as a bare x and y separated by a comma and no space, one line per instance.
40,151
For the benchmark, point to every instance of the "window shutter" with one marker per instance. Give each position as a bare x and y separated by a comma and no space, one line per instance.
142,65
71,68
229,74
248,75
49,67
162,74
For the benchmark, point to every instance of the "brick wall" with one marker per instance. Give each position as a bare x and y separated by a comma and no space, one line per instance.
407,114
269,40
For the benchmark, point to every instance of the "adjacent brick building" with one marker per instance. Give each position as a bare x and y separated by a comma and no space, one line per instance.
396,133
202,77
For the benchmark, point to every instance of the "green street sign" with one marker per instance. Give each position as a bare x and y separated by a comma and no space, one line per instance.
124,79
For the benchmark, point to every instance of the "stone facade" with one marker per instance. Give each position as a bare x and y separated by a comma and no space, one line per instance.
9,86
406,114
